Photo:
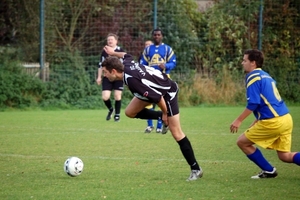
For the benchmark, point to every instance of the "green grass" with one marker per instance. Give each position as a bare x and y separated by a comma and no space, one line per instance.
121,162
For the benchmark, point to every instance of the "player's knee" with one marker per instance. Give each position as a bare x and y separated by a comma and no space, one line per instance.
176,131
118,97
239,143
129,114
105,97
285,157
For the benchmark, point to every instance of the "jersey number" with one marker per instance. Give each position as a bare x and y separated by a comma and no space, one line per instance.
275,91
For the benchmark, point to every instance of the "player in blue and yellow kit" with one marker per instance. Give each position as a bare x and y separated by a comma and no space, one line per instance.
272,128
161,57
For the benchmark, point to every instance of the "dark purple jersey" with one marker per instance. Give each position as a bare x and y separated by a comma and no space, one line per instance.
146,83
105,55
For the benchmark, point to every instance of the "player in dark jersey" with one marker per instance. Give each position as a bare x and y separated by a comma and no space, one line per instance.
107,86
161,57
150,126
272,128
149,85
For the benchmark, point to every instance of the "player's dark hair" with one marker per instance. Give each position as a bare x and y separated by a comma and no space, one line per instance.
255,55
112,62
158,29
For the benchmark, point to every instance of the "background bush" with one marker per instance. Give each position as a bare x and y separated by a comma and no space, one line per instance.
209,47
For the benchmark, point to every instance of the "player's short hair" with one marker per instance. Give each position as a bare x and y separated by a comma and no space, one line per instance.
255,55
113,35
112,62
158,29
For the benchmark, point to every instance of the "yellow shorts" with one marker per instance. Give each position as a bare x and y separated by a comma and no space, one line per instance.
149,106
275,133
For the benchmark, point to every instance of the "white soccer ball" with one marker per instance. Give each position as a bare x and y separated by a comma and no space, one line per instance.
73,166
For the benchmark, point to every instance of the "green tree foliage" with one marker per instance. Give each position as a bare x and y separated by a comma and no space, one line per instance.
72,21
227,35
282,45
17,89
19,24
180,30
208,45
70,84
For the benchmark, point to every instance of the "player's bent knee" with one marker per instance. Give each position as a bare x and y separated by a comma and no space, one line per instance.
130,114
177,133
105,97
239,143
285,157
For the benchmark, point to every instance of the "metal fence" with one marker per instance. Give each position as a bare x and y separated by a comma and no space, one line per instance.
47,30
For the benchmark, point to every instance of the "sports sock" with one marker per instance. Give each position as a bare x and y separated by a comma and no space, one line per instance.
149,114
108,104
260,161
188,153
150,122
296,158
118,107
159,123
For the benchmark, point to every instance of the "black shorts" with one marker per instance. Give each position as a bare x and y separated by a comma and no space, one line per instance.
115,85
171,99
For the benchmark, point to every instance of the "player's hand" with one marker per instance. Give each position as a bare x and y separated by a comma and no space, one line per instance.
165,119
109,50
162,66
234,127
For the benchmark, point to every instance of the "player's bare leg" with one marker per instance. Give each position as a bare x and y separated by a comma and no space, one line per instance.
175,127
134,107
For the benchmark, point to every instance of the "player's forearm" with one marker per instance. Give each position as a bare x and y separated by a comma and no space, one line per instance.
100,72
244,114
118,54
162,105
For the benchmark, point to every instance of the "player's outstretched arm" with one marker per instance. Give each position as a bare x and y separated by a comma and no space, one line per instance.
238,121
110,51
162,105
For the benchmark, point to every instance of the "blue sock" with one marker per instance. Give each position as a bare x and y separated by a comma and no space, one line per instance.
159,123
296,159
150,122
260,161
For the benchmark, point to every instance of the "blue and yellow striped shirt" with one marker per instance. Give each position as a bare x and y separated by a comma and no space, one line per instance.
263,97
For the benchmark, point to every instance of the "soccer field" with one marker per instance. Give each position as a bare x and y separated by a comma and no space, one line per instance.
121,162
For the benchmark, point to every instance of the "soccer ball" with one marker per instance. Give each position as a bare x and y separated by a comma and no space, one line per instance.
73,166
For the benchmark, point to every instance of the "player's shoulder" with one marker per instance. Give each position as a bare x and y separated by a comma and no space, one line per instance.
151,46
149,49
165,45
255,74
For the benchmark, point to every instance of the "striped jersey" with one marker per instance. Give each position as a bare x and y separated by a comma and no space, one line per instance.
154,55
105,55
263,97
147,83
